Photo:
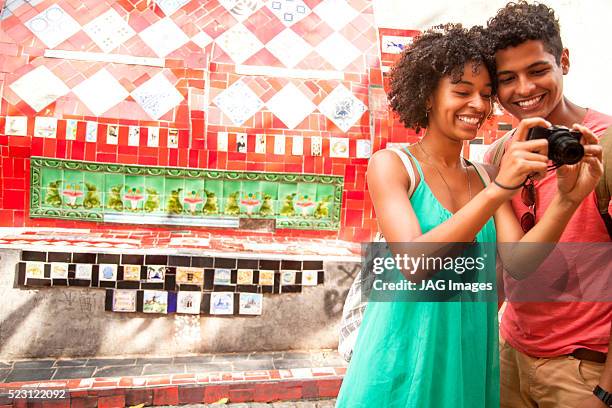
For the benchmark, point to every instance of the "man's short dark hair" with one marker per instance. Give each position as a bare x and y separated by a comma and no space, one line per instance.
440,51
521,21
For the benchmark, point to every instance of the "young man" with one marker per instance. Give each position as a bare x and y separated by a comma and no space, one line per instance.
552,354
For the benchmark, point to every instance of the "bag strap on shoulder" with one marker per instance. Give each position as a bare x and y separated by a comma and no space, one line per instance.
408,165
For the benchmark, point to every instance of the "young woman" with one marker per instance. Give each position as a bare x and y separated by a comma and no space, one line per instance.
428,354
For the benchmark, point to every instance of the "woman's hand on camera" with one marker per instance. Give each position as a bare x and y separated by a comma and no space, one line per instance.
524,158
576,181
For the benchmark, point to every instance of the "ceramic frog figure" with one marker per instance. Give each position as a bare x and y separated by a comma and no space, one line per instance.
114,201
53,197
92,197
322,210
232,207
210,206
266,207
174,202
152,202
288,210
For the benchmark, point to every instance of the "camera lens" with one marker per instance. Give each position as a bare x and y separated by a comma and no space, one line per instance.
564,148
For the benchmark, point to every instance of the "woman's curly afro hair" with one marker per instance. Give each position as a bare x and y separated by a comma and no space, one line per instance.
440,51
519,22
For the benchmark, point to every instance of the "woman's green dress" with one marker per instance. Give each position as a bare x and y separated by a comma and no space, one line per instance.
426,354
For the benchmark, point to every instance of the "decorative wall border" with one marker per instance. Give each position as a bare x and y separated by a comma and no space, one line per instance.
38,208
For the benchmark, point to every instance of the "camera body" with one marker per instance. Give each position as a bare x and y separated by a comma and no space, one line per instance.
563,144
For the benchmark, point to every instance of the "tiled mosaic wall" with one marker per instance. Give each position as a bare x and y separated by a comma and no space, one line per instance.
170,283
274,86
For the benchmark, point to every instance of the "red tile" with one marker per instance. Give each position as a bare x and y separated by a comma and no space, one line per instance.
166,396
111,402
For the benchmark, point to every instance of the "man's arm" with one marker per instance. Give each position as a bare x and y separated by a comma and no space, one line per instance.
605,381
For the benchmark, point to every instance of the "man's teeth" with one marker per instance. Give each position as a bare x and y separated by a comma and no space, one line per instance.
469,119
529,102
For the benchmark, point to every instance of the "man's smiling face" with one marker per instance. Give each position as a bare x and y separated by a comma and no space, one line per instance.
530,80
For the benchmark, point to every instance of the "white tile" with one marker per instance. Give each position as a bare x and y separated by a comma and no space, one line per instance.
338,51
222,141
173,138
164,37
339,147
91,132
288,12
242,9
290,105
364,149
112,134
316,146
297,147
279,144
201,39
241,142
260,144
53,26
289,48
16,126
71,129
39,87
109,30
45,127
239,43
153,137
342,107
100,92
336,13
157,96
169,7
134,136
393,44
238,102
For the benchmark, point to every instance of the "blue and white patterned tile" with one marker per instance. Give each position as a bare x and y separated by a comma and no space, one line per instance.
342,107
170,7
53,26
393,44
364,149
242,9
288,12
289,48
109,30
39,87
290,105
100,92
157,96
338,51
336,13
238,102
239,43
164,37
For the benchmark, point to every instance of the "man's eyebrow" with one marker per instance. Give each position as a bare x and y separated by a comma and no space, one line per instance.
535,64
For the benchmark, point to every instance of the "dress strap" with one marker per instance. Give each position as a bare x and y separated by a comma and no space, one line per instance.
406,161
416,162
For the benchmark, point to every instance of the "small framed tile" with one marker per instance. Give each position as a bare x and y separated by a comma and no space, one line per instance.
364,149
155,301
190,276
188,302
266,278
153,137
316,146
59,270
260,144
156,273
124,300
45,127
112,134
245,277
35,270
251,303
310,278
71,129
297,148
107,272
241,142
134,136
16,126
221,303
223,276
339,147
83,271
131,272
173,138
222,141
91,132
279,144
287,277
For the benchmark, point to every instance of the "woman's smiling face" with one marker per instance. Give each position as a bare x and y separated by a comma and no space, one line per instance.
459,106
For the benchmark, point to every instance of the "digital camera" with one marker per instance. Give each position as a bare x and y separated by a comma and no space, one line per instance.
563,144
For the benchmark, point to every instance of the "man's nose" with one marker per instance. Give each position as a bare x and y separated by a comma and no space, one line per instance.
525,86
